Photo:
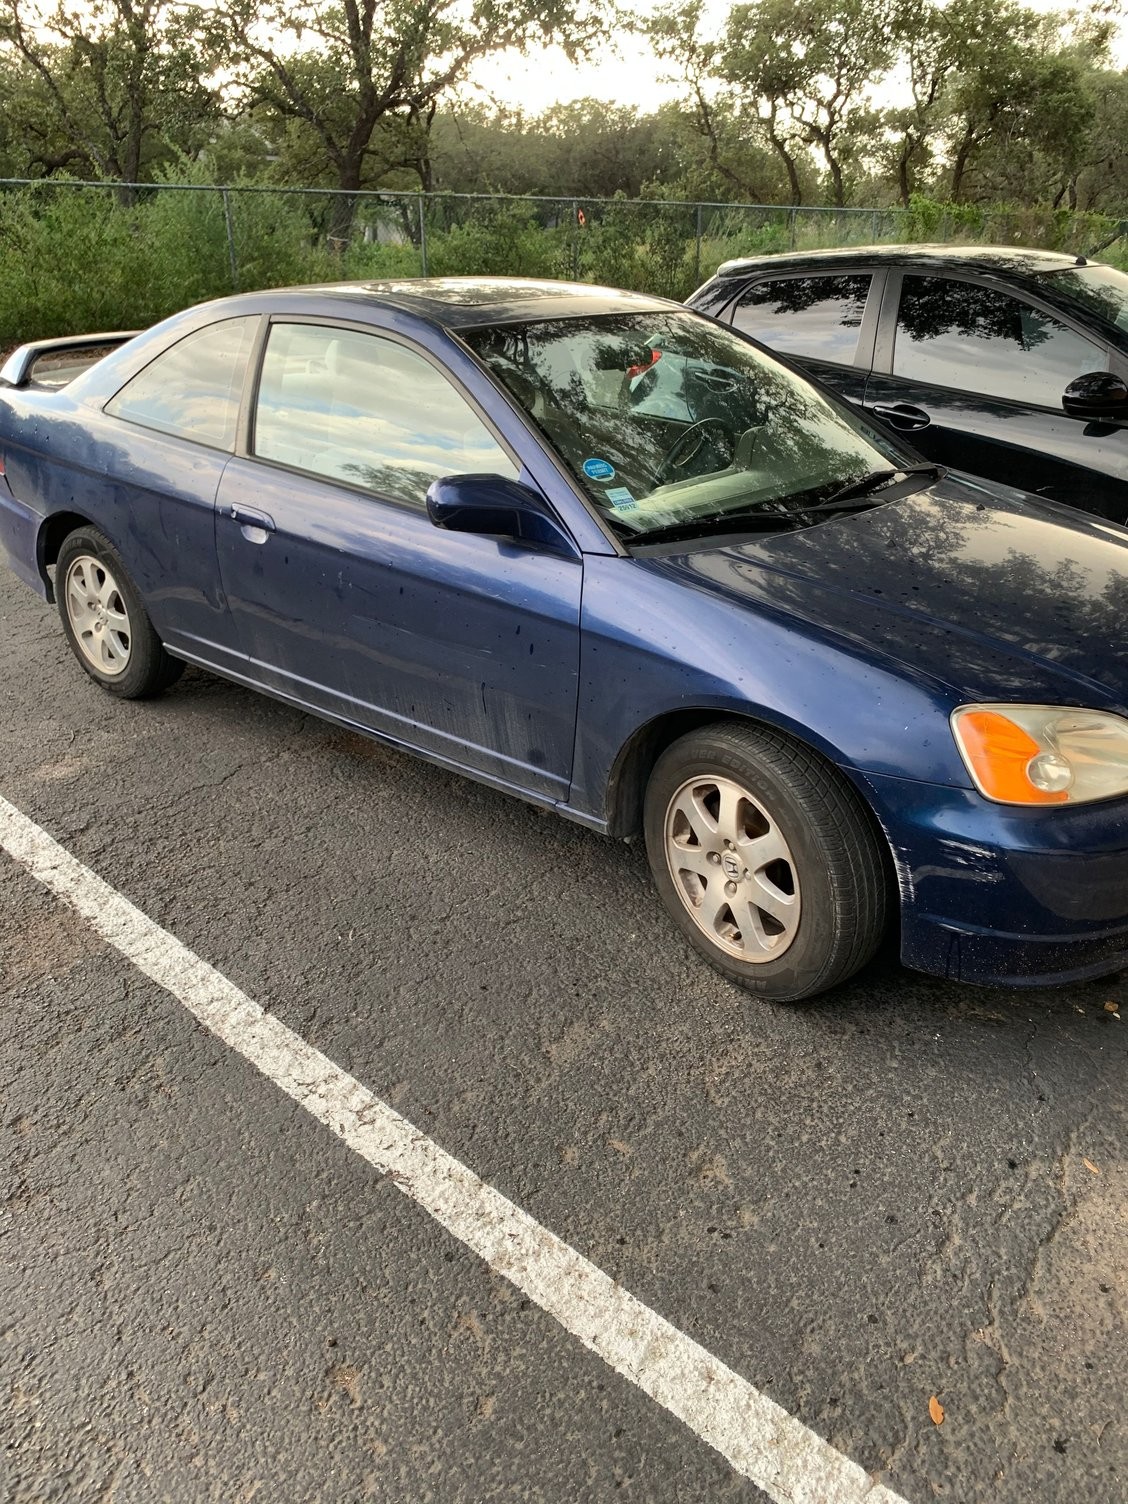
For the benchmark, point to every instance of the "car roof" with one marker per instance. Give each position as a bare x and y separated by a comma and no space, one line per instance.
1017,260
464,302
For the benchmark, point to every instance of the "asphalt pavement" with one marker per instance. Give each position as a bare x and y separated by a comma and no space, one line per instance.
906,1190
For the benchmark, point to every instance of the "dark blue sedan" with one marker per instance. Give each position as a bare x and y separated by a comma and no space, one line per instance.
604,553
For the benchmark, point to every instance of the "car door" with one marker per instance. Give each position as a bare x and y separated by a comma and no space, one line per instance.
973,376
825,321
169,432
350,600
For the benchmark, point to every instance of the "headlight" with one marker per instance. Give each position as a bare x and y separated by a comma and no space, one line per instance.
1043,754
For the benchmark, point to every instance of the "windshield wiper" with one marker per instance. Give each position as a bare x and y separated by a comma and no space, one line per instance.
845,498
865,485
717,522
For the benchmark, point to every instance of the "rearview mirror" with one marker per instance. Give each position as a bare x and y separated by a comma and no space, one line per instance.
496,506
1099,394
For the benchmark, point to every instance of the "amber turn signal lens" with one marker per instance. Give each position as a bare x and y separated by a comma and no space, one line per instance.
1000,754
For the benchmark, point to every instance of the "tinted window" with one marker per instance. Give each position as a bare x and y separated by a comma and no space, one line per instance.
361,409
981,340
1102,289
713,296
815,316
193,390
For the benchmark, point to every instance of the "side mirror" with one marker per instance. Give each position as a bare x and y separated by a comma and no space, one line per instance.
1099,394
496,506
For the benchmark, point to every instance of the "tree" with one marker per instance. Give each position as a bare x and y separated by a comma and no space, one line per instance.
812,62
359,82
1017,91
680,35
791,75
1099,175
112,89
584,149
930,43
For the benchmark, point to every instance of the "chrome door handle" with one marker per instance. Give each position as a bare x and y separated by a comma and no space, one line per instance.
255,526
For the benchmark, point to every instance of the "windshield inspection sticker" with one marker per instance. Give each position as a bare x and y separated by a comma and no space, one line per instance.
621,499
599,470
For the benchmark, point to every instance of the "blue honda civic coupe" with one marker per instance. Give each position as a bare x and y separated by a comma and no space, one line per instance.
601,552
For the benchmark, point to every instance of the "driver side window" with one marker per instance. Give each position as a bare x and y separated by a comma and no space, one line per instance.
367,411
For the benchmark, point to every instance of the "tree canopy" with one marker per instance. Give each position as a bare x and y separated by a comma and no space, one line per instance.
788,101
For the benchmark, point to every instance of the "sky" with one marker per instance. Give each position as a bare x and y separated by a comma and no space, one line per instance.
627,72
632,77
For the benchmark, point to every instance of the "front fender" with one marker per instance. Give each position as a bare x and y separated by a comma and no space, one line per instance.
654,652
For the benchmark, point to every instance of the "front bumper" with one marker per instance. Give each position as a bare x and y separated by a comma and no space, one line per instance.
999,895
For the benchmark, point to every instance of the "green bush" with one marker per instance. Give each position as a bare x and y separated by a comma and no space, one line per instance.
69,261
76,259
502,241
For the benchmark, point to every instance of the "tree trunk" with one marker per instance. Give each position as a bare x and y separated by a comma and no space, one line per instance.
959,166
423,156
836,178
912,148
344,203
788,160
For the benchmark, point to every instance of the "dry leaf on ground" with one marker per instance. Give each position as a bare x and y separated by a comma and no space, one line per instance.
936,1410
1089,1165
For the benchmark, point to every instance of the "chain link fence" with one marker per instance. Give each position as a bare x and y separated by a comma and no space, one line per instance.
82,256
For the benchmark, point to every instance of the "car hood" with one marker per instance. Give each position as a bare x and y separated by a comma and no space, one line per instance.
994,593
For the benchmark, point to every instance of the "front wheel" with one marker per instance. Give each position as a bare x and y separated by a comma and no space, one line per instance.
108,628
765,859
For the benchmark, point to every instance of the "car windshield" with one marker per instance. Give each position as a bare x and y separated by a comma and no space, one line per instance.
1102,289
667,420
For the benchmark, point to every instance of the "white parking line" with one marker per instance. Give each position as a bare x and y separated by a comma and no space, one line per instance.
760,1439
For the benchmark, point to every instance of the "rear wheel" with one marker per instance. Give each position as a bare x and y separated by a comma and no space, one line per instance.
765,859
105,623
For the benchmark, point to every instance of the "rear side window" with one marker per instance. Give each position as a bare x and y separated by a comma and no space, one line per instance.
193,389
712,297
364,410
817,317
978,339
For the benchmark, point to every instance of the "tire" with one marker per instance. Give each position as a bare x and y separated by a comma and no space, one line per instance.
108,628
744,813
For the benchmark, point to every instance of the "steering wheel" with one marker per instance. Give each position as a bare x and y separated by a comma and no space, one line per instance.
696,431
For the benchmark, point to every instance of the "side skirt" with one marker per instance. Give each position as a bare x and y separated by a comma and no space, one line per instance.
578,816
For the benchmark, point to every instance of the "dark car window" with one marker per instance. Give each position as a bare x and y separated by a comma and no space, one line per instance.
193,389
813,316
1102,289
358,408
979,339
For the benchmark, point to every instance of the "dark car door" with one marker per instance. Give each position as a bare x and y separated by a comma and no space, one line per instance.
826,322
349,599
973,375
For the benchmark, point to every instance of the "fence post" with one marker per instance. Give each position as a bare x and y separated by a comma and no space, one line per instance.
231,257
791,226
422,235
873,221
697,250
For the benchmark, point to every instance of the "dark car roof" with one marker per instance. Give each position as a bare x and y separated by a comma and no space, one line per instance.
463,302
1016,260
